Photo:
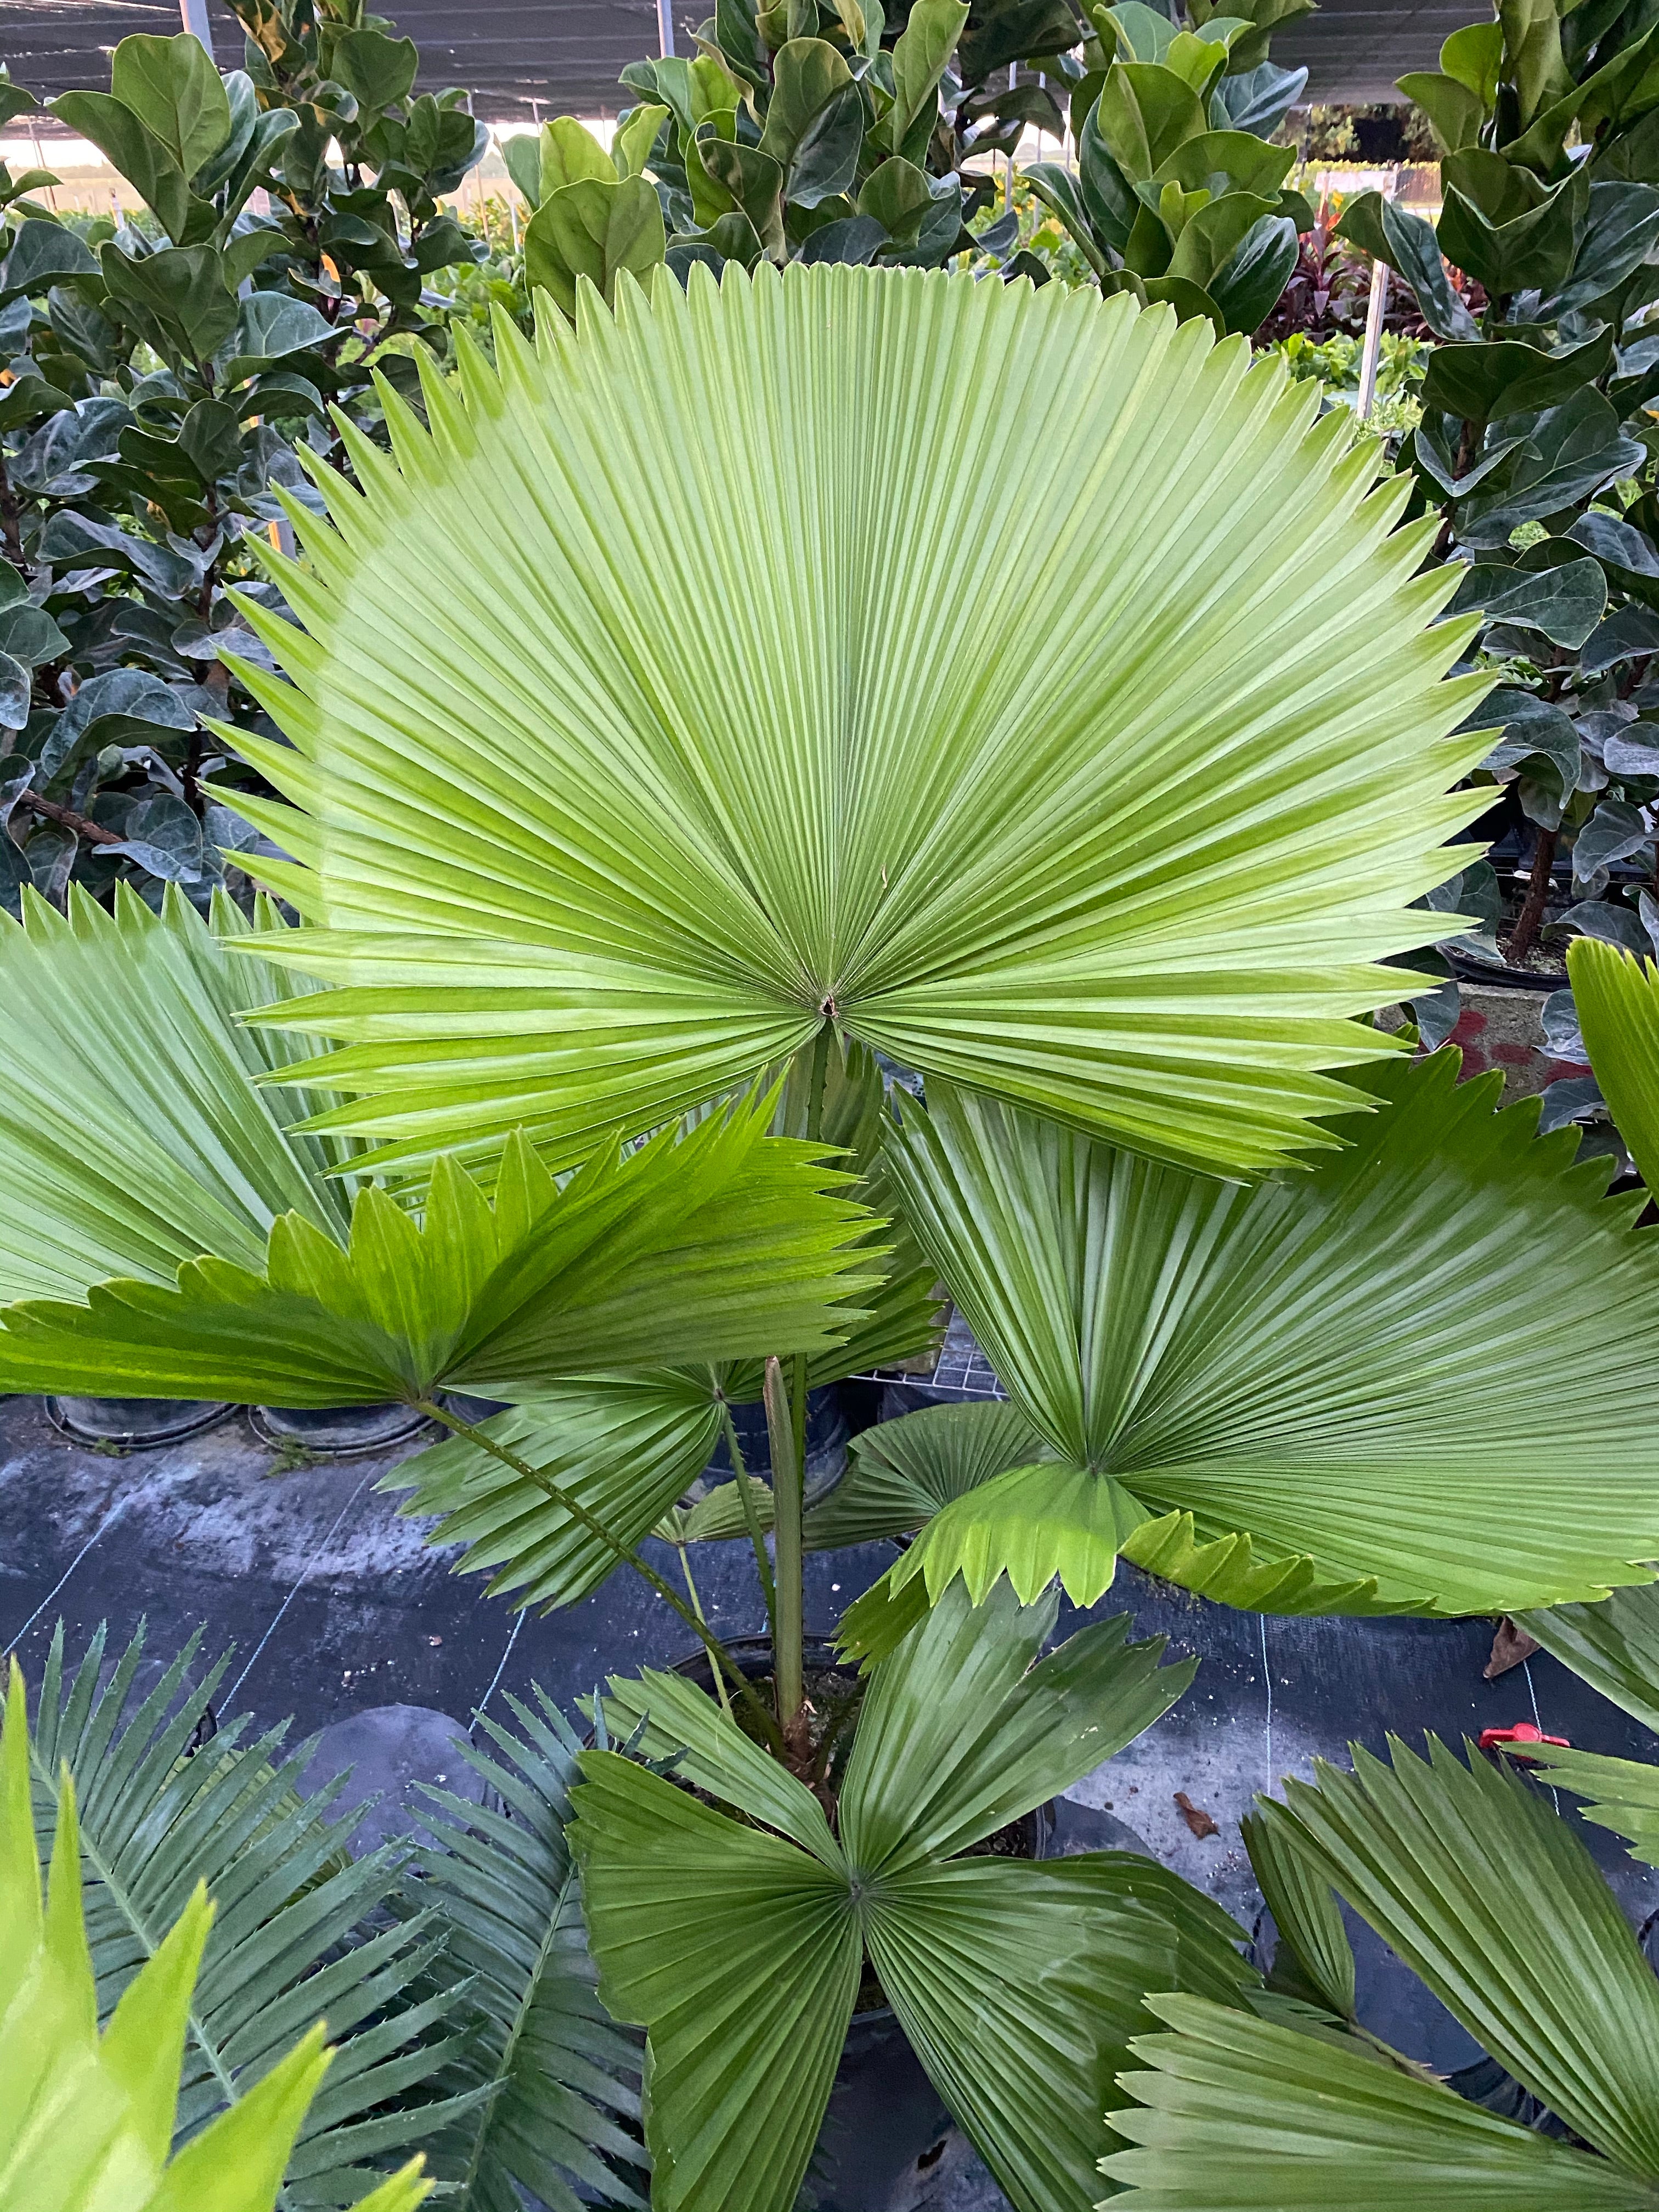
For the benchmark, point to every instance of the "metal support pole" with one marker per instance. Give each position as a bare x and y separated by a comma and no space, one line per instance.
1376,308
666,29
1008,159
194,17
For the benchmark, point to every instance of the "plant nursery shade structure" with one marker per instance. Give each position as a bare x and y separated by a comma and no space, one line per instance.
522,56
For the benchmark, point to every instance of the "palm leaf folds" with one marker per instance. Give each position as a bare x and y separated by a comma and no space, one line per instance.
1340,1391
642,794
173,1239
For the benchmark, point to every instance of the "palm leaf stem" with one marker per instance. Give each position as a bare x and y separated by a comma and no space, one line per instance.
788,1513
789,1468
625,1553
691,1593
751,1518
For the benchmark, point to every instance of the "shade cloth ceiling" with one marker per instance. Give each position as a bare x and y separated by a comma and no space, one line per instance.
524,57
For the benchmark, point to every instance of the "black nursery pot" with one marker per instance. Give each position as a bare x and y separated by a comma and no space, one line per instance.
886,2129
826,1442
134,1423
336,1431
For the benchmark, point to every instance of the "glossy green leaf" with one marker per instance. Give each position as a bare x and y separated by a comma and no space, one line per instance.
593,229
611,896
1563,604
1331,1387
173,87
921,52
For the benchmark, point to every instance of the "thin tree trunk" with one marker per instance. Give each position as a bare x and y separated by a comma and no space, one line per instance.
1525,935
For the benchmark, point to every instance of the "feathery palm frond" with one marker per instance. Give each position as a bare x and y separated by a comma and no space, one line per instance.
547,2074
293,1938
89,2118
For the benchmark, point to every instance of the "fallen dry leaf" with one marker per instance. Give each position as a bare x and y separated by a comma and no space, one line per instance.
1200,1822
1509,1648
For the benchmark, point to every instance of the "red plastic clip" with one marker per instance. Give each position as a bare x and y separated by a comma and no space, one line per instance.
1514,1740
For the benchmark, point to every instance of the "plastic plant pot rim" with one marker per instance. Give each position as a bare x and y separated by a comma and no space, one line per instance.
270,1424
207,1414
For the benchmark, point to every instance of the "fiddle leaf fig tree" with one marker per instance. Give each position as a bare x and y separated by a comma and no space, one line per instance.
1176,195
161,374
1536,448
805,138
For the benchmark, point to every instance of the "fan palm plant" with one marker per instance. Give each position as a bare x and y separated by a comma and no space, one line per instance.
87,2120
165,1235
645,802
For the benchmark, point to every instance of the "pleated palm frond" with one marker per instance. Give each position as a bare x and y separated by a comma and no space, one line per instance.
669,694
1419,1379
548,2080
87,2119
293,1939
1492,1901
165,1237
628,1447
1613,1646
737,1945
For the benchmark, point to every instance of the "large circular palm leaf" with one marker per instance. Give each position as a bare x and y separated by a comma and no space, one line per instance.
1015,678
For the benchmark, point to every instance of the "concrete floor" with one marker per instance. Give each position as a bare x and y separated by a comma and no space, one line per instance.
333,1604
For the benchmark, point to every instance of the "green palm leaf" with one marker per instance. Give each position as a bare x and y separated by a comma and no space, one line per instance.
87,2120
1624,1794
1326,1393
1493,1900
155,1825
720,1243
1613,1646
902,1472
1315,1958
133,1136
704,741
1616,998
1238,2115
543,2070
737,1948
625,1446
